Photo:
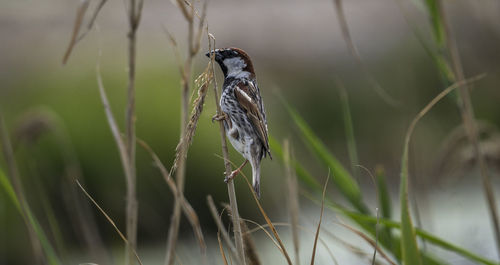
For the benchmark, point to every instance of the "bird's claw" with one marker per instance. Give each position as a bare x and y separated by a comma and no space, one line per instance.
231,176
219,117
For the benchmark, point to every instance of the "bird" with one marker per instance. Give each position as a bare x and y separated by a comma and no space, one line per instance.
243,113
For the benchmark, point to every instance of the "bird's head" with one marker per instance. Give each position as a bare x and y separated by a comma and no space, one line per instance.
234,62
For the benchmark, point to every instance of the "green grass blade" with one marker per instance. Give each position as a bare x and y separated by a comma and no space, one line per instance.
384,202
409,247
436,22
429,237
46,246
385,197
340,176
368,223
349,130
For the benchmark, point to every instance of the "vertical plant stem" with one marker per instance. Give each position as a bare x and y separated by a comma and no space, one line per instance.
293,198
230,184
135,10
180,173
469,121
222,229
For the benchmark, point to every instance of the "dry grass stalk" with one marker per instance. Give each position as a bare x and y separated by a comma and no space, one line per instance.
250,249
221,228
268,221
262,227
230,184
202,82
187,209
76,36
124,157
80,13
193,42
13,173
127,147
221,248
127,242
320,219
469,121
377,193
354,51
134,16
293,198
371,242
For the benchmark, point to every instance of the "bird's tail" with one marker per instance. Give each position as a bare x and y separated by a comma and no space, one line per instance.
256,179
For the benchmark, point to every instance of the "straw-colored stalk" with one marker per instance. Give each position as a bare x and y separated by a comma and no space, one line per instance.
222,229
134,16
238,238
193,40
469,122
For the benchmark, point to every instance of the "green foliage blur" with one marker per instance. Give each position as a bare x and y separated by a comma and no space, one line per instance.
35,85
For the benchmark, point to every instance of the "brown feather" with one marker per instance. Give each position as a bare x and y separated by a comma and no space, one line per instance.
249,102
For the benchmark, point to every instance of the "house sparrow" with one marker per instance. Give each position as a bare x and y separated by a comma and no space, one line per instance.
243,114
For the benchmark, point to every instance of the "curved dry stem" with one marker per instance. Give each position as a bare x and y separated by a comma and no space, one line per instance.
110,221
220,226
376,211
371,242
320,219
354,51
273,229
221,248
188,210
303,229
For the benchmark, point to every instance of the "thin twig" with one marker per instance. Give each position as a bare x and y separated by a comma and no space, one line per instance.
182,148
187,209
127,242
251,253
377,193
122,148
262,227
469,121
371,242
352,48
320,219
230,184
134,15
221,248
268,221
220,226
80,13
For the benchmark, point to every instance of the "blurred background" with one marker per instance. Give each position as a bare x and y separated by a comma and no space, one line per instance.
57,124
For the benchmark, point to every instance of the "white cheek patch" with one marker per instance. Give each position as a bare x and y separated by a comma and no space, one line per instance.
234,64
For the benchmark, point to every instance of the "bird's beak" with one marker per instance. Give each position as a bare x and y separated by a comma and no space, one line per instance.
217,54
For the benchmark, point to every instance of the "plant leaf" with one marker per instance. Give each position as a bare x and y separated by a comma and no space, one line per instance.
344,182
46,246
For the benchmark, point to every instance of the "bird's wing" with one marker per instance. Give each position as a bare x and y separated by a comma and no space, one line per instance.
249,98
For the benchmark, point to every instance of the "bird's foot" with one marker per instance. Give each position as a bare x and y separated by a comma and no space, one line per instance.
231,176
234,173
220,117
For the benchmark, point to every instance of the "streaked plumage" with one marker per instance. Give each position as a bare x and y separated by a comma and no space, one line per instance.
245,122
